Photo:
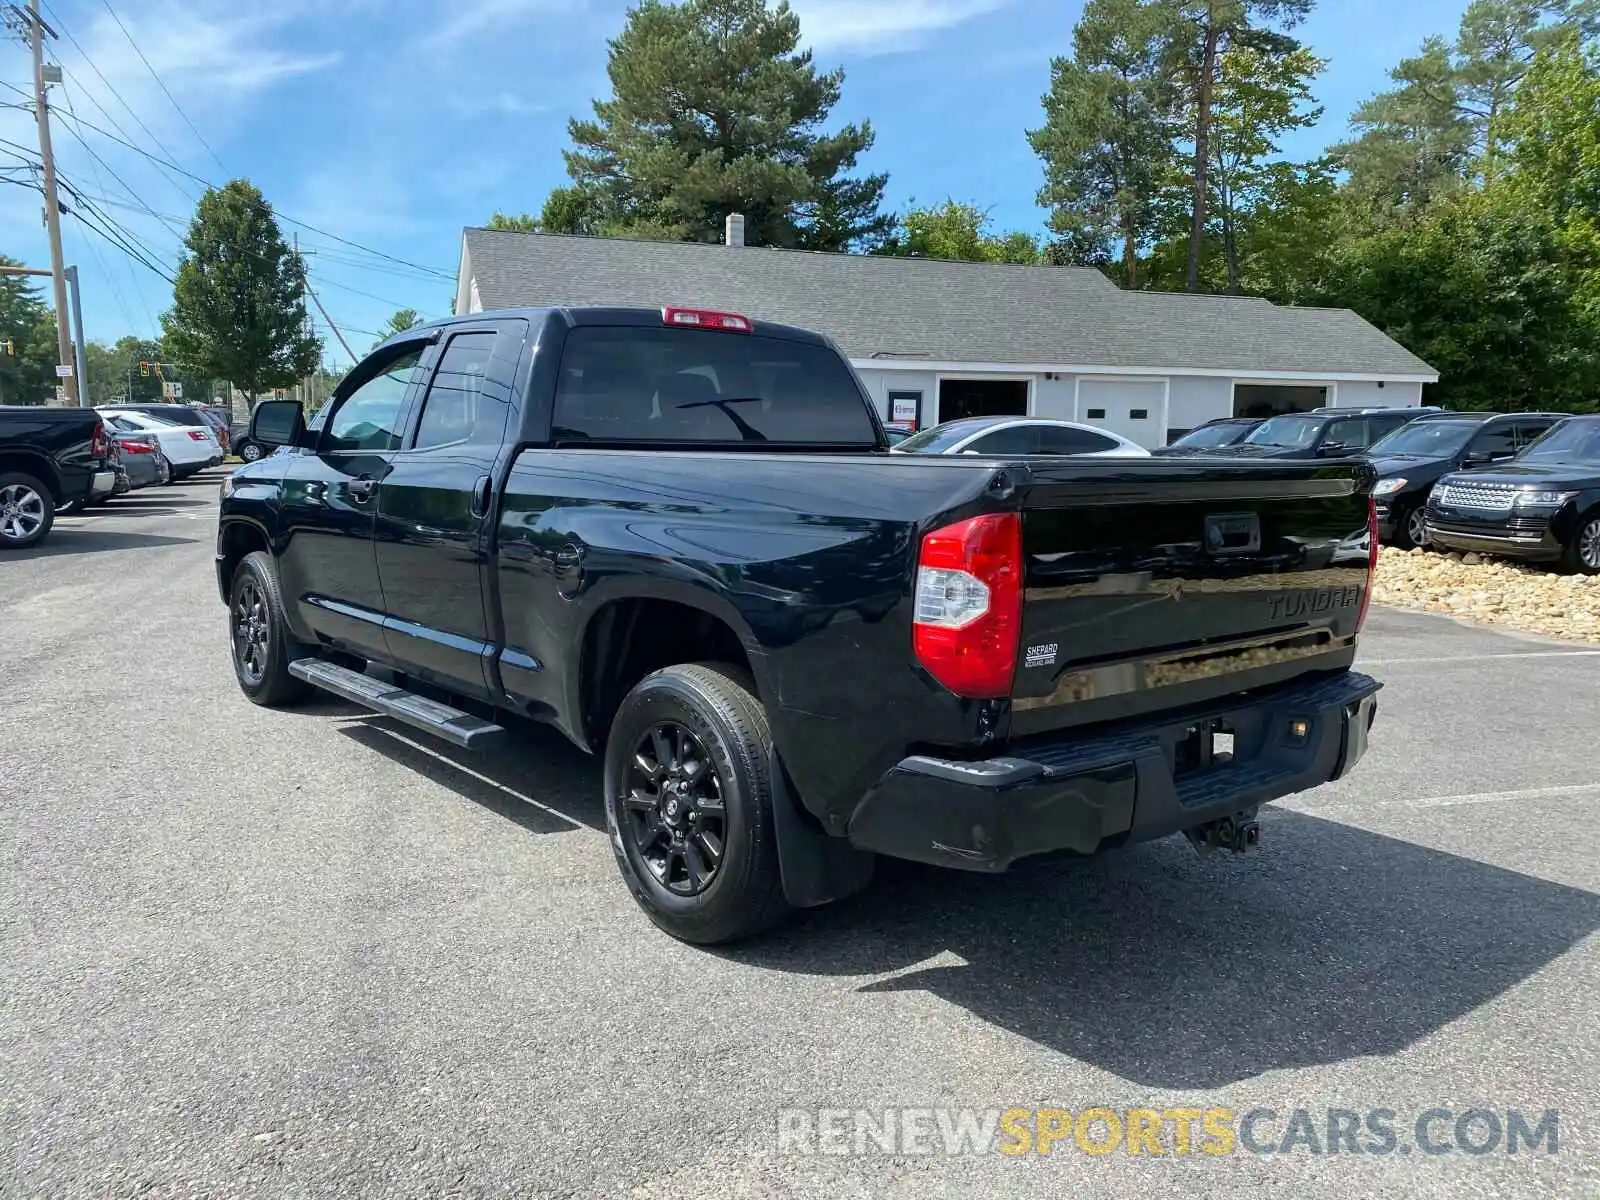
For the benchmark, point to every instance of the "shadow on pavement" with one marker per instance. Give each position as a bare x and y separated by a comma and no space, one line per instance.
86,539
1176,972
538,780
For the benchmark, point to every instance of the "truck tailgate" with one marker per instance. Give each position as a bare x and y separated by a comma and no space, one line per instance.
1157,584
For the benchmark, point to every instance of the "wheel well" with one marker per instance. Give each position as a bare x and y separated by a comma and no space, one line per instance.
36,465
238,539
628,639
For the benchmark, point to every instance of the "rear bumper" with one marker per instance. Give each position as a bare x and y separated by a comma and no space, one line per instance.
1081,794
102,484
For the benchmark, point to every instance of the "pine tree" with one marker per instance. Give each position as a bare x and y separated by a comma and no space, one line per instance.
239,304
1107,140
714,110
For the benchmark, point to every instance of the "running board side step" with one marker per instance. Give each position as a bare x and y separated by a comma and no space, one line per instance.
454,726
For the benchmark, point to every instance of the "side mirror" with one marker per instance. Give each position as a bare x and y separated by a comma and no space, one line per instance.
278,423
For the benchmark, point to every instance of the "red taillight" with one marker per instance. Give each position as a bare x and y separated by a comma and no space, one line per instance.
99,444
197,435
133,446
1372,561
968,599
705,318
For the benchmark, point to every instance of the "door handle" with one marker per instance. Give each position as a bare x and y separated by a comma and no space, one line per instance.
361,489
480,497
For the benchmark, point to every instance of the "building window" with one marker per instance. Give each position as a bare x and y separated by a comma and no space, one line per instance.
1096,414
1138,414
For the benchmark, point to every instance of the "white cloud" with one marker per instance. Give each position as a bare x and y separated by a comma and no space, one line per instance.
472,17
881,26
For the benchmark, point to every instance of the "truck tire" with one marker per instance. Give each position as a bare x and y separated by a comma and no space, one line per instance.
27,511
688,798
258,637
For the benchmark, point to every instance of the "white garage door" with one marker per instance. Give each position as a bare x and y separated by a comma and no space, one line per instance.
1137,409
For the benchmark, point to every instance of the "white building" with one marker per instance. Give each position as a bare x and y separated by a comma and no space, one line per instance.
936,340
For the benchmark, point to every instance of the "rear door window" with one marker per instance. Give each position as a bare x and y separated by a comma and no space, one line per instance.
639,384
1352,432
1054,439
1018,439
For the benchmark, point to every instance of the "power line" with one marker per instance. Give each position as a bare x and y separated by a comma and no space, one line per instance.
162,85
171,158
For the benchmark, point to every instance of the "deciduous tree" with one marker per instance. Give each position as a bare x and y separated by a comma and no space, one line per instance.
28,331
239,304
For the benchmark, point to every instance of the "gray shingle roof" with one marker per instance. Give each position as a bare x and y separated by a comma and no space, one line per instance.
942,311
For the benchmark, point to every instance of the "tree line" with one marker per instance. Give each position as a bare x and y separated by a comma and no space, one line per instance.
238,316
1461,215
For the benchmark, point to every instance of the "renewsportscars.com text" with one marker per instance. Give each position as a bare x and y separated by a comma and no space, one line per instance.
1195,1130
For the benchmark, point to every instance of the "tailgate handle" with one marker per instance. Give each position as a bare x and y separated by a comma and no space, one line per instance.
1233,533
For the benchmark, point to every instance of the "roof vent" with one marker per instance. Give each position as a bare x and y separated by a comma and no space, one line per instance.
733,230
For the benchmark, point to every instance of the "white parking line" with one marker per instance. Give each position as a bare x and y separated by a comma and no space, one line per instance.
1448,658
1351,804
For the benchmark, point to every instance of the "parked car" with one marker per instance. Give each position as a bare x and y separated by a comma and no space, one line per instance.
189,448
143,460
50,459
1019,435
221,422
192,415
1541,506
897,432
1329,433
1412,459
1213,435
679,539
243,447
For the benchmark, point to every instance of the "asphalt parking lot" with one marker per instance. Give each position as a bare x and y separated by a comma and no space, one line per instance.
253,953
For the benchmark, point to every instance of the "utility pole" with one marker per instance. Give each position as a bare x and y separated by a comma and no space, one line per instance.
37,30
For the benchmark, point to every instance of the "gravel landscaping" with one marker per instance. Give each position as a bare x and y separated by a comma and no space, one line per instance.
1491,592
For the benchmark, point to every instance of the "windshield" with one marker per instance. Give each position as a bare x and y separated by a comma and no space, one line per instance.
1210,435
1428,438
1298,432
936,440
1570,441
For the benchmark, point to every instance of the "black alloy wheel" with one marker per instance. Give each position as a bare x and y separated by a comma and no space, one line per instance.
252,632
675,816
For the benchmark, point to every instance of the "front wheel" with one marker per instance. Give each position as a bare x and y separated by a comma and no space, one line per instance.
250,452
688,795
1411,527
261,643
1583,552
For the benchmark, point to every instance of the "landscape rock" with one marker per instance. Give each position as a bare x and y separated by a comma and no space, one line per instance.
1491,591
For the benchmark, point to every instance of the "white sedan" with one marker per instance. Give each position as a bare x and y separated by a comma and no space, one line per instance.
1008,436
189,448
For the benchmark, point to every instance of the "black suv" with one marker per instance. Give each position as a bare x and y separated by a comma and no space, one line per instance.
1213,435
1329,433
1412,459
1542,506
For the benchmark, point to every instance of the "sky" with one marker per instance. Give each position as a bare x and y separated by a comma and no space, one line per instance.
378,129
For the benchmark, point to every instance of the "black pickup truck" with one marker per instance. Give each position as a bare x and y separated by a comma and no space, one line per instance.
677,535
50,459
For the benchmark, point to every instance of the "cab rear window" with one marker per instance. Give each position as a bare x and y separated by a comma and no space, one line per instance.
624,384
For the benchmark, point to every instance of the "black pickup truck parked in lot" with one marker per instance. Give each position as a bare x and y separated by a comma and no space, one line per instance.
1541,506
678,536
50,459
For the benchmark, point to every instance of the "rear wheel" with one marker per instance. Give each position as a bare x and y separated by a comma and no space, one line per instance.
27,511
688,794
1583,551
250,452
262,646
